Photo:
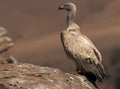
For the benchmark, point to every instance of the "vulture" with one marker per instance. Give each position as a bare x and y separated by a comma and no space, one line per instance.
80,49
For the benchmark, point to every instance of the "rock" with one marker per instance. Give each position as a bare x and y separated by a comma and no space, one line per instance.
5,44
9,59
3,31
28,76
5,41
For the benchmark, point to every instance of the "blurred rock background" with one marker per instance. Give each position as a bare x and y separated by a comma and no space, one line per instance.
5,44
35,27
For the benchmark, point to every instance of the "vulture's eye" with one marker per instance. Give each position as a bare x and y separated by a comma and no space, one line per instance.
66,5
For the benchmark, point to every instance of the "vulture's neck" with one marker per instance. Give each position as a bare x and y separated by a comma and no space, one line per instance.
70,18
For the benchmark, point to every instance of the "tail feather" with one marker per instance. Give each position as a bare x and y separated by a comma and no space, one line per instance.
94,72
101,74
102,71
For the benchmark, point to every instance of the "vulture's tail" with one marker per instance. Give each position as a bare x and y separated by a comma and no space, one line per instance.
102,72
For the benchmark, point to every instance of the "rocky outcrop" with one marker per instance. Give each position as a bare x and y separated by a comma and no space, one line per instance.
28,76
5,41
5,44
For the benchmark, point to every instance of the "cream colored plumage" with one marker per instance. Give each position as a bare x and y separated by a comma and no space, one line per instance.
80,49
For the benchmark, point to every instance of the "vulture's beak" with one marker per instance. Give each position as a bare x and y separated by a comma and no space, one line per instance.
61,7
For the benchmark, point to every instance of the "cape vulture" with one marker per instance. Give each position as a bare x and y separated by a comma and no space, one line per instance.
80,49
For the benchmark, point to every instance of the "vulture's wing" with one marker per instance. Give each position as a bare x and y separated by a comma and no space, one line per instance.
97,53
91,64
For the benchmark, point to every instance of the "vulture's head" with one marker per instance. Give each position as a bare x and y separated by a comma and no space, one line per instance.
68,7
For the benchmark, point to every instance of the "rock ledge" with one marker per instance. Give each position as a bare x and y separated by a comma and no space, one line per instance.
29,76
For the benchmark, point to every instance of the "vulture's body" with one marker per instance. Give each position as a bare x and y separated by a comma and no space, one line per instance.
80,49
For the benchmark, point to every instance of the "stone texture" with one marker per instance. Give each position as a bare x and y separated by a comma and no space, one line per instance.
28,76
5,44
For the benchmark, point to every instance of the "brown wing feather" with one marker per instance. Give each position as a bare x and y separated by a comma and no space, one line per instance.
99,66
97,53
